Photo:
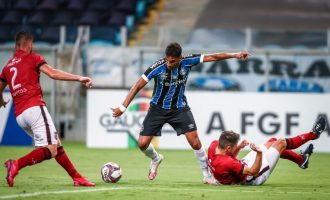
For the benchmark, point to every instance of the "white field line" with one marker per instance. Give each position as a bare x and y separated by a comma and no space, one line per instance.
155,188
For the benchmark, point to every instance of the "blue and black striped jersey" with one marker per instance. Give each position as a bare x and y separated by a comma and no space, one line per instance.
170,84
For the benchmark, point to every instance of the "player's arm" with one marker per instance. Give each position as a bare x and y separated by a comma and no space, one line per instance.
243,144
2,88
254,170
57,74
223,56
116,112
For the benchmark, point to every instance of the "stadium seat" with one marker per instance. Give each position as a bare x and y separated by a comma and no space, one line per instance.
117,19
76,5
50,34
40,18
127,6
90,18
105,34
5,34
12,17
49,5
101,5
64,17
24,5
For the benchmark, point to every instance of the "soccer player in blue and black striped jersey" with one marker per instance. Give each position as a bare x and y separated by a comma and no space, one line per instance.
169,104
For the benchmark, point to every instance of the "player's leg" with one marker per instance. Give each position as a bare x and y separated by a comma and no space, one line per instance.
318,128
152,125
63,159
34,122
183,122
201,156
300,159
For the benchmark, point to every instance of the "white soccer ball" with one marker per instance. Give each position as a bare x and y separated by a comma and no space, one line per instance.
111,172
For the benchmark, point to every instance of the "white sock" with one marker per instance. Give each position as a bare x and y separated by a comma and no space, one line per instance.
202,158
151,153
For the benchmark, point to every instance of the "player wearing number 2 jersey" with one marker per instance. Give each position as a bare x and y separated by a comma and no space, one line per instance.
21,74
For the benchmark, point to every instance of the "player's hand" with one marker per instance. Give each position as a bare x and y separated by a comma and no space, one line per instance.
243,144
243,55
116,112
255,148
86,81
3,103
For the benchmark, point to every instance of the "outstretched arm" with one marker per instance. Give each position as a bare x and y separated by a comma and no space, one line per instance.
222,56
116,112
2,88
57,74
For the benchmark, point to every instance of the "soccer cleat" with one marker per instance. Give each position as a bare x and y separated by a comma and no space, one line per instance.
82,182
154,166
210,180
306,154
319,126
12,171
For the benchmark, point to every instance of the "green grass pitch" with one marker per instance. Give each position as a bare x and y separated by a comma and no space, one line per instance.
179,177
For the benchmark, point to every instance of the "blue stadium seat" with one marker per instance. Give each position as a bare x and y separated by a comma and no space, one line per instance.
51,34
40,18
12,17
102,5
64,17
6,34
117,19
91,18
24,5
141,9
127,6
49,5
76,5
104,34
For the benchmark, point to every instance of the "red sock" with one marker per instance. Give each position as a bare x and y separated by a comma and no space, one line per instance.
36,156
65,162
295,142
293,156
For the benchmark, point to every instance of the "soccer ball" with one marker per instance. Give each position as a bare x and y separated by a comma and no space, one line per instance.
111,172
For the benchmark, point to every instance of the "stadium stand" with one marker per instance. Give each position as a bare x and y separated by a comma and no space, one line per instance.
286,23
44,17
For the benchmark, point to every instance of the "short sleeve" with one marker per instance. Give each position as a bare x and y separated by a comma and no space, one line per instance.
2,77
154,70
193,59
237,167
39,60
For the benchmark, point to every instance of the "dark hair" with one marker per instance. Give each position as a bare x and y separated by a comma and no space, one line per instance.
228,138
22,36
174,49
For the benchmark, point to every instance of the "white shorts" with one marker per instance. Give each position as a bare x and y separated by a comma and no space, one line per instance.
269,160
36,121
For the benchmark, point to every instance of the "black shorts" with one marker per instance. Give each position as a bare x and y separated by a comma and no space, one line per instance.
181,119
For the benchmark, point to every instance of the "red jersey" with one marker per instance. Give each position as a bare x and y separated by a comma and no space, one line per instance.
226,169
22,76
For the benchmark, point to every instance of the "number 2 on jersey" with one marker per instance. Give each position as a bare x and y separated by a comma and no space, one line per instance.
14,69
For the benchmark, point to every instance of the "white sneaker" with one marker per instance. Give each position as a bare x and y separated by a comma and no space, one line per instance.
210,180
154,166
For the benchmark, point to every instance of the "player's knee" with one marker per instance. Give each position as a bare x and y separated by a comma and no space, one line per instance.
53,150
196,145
142,145
280,144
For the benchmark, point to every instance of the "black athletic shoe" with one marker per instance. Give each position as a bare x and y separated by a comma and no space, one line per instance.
319,126
306,154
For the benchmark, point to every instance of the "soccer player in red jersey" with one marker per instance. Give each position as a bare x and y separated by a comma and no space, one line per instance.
21,74
256,167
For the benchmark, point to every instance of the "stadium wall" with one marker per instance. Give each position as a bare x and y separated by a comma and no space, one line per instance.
256,116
